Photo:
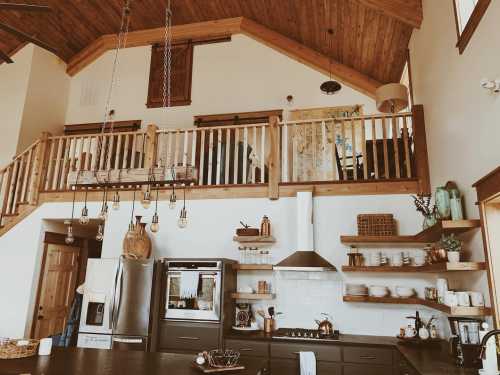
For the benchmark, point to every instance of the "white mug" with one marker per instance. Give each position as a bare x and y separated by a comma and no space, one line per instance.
450,299
442,288
463,299
397,260
477,299
45,347
375,259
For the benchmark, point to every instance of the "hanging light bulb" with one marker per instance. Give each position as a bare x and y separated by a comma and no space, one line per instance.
146,199
183,221
103,215
116,201
84,219
155,226
69,235
173,200
100,233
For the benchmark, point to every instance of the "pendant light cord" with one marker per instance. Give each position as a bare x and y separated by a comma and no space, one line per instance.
133,208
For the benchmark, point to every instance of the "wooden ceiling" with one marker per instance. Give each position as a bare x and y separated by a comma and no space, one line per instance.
370,36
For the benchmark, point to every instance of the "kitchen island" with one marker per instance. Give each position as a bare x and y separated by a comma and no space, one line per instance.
73,361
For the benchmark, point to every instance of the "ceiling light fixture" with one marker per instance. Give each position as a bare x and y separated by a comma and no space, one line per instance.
330,87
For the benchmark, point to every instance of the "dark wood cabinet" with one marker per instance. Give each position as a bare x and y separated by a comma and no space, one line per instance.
366,354
292,366
188,337
355,369
328,353
249,348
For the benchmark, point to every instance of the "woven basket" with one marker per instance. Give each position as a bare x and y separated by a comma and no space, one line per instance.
376,225
11,350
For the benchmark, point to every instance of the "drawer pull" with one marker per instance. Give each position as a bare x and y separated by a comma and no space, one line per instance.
188,338
246,350
367,357
297,353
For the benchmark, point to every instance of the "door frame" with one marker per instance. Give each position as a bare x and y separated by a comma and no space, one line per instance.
51,238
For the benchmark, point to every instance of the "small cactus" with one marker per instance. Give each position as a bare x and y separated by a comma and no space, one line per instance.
451,243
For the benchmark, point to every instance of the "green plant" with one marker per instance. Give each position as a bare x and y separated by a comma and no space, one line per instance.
451,243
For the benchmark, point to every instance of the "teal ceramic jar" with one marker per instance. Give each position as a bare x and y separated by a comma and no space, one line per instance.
443,203
456,205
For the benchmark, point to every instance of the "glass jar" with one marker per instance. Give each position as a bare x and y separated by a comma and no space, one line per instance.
443,203
456,205
429,221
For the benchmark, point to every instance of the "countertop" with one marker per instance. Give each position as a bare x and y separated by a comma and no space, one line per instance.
425,360
73,361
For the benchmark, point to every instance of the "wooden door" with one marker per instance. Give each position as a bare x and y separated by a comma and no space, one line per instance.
56,290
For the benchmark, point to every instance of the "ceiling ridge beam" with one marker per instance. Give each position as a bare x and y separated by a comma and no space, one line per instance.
409,12
307,56
209,29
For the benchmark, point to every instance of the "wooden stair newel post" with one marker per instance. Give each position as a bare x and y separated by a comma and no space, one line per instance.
421,156
274,158
39,163
150,149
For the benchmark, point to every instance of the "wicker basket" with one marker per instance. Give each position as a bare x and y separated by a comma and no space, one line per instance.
376,225
11,350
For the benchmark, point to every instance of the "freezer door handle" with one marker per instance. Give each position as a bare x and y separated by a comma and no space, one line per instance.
127,341
112,307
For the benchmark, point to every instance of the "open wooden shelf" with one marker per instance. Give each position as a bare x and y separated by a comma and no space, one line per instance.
255,241
429,235
252,267
430,268
252,296
457,311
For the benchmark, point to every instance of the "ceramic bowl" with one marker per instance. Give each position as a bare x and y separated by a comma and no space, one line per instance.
378,291
404,292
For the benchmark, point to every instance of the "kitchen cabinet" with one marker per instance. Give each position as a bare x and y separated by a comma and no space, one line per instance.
292,366
368,355
354,369
188,337
328,353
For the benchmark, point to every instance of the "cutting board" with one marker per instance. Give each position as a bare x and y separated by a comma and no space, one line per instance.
214,370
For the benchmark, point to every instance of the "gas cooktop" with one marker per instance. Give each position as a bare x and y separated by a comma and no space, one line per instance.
304,334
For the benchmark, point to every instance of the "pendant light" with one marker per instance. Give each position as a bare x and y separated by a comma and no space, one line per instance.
155,225
103,214
131,228
173,198
100,232
183,221
84,218
330,87
146,198
69,235
116,201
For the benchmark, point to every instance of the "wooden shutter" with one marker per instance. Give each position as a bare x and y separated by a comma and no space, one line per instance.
182,72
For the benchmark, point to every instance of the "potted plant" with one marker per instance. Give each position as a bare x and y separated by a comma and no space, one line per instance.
423,205
453,246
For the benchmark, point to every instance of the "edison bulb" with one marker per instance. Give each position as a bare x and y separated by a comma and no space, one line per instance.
84,219
155,226
116,201
69,237
183,222
173,200
103,215
100,233
146,200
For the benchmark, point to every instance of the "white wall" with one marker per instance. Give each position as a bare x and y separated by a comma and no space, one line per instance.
14,80
238,76
301,296
462,119
46,98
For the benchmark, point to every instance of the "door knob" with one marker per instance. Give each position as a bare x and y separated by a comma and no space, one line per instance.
40,317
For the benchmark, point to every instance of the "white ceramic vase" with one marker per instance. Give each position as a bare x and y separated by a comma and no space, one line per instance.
453,256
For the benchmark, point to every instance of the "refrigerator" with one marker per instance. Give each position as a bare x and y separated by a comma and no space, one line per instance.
116,304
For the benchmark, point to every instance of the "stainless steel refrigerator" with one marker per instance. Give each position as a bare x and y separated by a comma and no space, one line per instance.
116,304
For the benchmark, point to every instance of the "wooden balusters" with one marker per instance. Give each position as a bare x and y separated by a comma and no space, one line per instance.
284,153
236,152
245,154
353,147
202,157
324,143
363,149
262,154
219,151
406,147
334,151
344,154
395,140
227,156
210,156
374,148
193,148
386,153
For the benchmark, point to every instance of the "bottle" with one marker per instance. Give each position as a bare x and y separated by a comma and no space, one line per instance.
456,205
443,203
265,227
433,333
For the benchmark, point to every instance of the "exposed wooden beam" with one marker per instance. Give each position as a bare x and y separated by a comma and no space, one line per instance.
310,57
228,27
210,29
407,11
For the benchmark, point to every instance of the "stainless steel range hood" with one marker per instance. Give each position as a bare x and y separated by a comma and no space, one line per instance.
305,258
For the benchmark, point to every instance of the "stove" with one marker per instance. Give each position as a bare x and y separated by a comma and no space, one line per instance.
304,334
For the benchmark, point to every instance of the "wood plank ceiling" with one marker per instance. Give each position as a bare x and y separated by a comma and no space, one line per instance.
370,36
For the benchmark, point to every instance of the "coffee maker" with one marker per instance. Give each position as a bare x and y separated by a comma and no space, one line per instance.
243,316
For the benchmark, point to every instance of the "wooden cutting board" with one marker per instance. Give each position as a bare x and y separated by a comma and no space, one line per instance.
214,370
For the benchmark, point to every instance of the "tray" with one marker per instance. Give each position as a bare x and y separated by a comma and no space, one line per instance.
206,369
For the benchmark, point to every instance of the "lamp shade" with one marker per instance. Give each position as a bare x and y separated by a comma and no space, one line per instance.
391,98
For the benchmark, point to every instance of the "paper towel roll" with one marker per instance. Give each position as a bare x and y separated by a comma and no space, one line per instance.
305,236
45,347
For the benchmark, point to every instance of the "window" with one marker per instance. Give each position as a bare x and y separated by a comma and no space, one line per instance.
182,68
468,14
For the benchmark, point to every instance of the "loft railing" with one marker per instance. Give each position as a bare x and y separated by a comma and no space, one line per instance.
373,148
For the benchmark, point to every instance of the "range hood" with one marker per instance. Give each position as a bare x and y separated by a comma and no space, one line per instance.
305,258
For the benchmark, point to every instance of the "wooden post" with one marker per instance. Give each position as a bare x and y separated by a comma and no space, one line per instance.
274,158
39,166
150,147
421,156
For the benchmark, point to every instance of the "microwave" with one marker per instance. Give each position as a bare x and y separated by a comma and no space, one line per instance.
203,300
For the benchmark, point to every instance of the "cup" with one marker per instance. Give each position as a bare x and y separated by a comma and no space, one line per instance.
45,347
397,260
419,258
375,259
442,288
451,299
476,299
463,299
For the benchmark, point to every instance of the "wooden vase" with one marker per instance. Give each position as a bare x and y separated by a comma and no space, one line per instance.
137,244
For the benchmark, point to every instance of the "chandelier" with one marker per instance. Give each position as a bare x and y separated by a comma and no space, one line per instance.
108,185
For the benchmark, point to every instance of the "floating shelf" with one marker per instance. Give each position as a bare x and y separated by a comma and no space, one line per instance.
457,311
252,296
431,268
255,241
429,235
253,267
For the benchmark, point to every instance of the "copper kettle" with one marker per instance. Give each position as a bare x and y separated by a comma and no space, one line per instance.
325,327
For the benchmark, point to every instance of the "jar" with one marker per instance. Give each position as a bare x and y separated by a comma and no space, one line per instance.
456,205
443,203
429,221
265,227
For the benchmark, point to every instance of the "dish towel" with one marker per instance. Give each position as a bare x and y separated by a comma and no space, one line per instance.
189,284
307,363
